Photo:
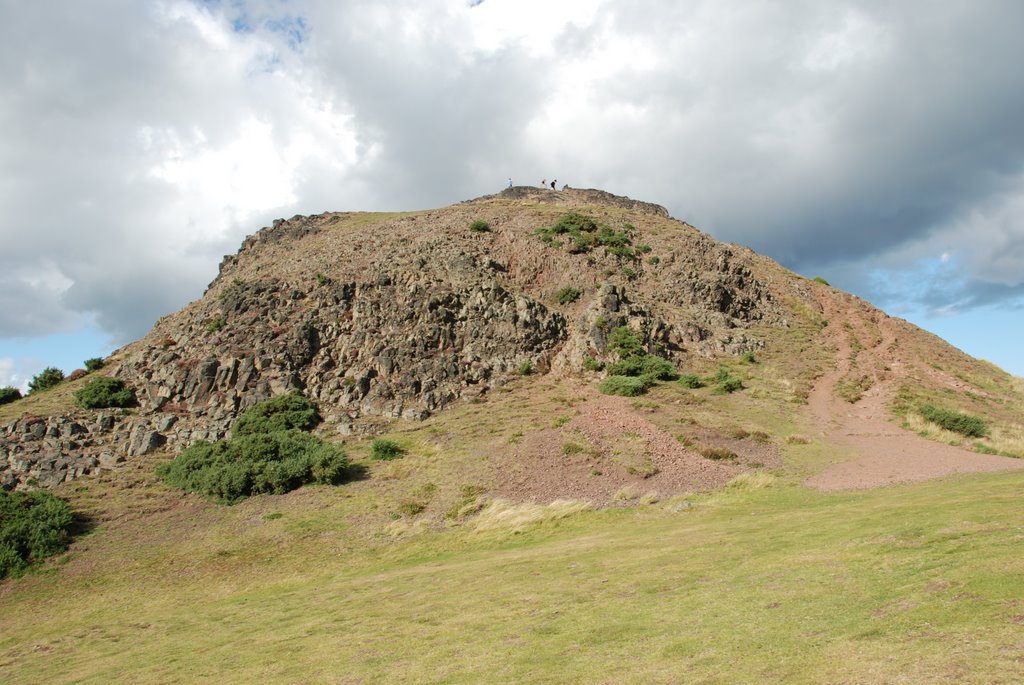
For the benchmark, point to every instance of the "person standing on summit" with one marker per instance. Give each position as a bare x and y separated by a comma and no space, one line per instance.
553,184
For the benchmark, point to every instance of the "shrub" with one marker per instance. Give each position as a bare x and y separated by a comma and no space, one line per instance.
624,342
526,368
94,364
103,392
385,450
593,364
627,386
965,424
283,412
644,365
583,234
691,380
479,226
9,394
819,279
33,526
568,295
654,260
216,325
228,471
46,379
729,385
749,357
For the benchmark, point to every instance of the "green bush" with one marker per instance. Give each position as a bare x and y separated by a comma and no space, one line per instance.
102,392
283,412
583,234
33,526
691,380
819,279
94,364
385,450
593,364
644,365
749,357
568,295
728,385
479,226
526,368
216,325
965,424
625,343
45,379
9,394
627,386
228,471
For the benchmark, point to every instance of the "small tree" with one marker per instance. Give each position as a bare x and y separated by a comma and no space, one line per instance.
94,364
9,394
46,379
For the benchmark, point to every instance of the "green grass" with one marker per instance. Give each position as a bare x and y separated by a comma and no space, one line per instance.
783,584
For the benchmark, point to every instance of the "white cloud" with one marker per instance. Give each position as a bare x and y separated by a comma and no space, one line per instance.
840,135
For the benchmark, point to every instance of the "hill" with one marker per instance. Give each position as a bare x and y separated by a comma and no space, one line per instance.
384,316
535,529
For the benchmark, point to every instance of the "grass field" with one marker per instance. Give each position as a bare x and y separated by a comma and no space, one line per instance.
783,584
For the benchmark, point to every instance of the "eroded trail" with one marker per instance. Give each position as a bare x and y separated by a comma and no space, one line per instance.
867,366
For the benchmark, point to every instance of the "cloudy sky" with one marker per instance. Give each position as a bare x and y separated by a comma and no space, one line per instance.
877,144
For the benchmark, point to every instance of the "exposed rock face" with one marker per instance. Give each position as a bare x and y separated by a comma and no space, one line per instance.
397,316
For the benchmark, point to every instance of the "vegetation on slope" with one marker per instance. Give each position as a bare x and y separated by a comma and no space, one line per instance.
33,526
270,454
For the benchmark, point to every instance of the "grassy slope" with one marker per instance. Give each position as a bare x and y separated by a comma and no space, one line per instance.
909,584
918,583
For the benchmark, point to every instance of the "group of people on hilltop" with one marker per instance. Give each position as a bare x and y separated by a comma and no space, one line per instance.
544,184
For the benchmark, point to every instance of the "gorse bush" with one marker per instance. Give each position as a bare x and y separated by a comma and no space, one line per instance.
627,386
46,379
385,450
33,526
269,453
625,343
479,226
283,412
228,471
691,380
568,295
965,424
645,365
634,363
103,392
582,234
94,364
725,382
9,394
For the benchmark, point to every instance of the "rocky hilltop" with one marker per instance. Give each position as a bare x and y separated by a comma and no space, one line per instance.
395,316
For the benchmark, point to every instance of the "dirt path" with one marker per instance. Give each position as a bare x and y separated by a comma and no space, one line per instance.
887,453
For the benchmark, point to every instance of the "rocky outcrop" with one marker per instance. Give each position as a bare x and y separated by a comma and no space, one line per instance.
399,316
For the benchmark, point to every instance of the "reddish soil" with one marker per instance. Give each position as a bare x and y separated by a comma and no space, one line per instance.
619,448
886,453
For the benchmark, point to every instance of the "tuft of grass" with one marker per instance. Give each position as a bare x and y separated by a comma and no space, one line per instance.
502,515
752,480
385,450
479,226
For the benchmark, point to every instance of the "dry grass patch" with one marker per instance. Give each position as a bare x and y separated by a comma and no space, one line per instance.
504,515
